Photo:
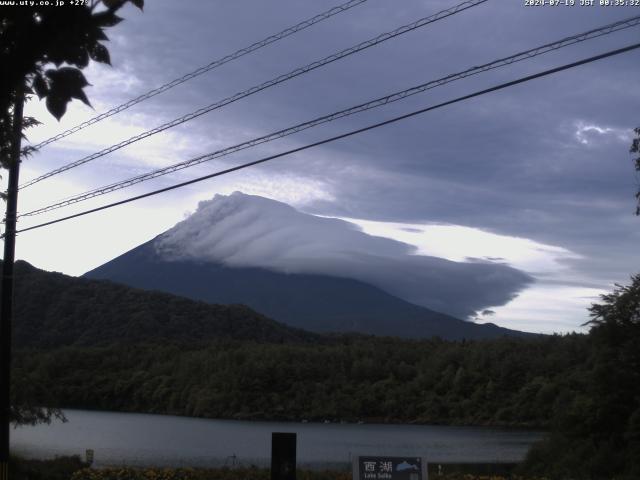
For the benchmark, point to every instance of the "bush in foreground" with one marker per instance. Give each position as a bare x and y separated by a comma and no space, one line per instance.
61,468
241,474
128,473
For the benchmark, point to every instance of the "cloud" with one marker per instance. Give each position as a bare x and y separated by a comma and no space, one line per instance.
284,187
458,243
588,134
249,231
157,150
558,299
549,308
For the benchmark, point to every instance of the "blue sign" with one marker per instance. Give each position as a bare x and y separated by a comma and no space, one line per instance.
389,468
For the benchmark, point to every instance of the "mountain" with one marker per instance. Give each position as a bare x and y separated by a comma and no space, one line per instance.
54,310
181,262
247,231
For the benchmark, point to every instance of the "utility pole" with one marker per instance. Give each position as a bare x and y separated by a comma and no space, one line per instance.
6,300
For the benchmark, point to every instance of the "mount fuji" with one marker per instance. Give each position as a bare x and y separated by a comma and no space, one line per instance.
319,274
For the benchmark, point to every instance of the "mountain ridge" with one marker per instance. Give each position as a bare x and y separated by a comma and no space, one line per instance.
53,310
315,303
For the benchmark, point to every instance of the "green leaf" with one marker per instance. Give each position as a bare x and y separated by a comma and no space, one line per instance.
65,83
113,4
40,86
29,122
57,105
80,58
80,95
99,53
98,34
68,76
107,19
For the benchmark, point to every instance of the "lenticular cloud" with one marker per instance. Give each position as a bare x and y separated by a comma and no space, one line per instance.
248,231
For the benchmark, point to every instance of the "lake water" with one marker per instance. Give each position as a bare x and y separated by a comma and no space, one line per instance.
162,440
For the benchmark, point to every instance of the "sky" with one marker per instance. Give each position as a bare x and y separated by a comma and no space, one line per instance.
535,180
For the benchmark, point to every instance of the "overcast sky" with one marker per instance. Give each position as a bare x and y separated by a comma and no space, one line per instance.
537,177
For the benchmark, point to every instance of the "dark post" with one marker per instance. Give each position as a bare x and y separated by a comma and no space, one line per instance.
283,456
6,301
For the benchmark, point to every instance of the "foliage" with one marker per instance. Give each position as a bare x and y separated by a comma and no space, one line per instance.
469,476
44,48
509,382
53,310
635,148
598,434
73,468
621,308
25,413
60,468
242,474
198,474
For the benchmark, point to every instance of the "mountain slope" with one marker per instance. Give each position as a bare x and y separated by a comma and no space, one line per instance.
53,310
312,302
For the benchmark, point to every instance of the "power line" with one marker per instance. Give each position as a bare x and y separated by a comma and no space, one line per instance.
206,68
567,41
275,81
344,135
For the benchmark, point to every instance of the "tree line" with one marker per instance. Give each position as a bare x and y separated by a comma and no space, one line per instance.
506,382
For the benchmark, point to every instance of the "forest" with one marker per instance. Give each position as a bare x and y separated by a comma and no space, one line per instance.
499,382
97,345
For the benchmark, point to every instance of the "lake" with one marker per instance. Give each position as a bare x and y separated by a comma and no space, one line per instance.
163,440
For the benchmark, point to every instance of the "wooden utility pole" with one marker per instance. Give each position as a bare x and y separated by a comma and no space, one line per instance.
6,300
